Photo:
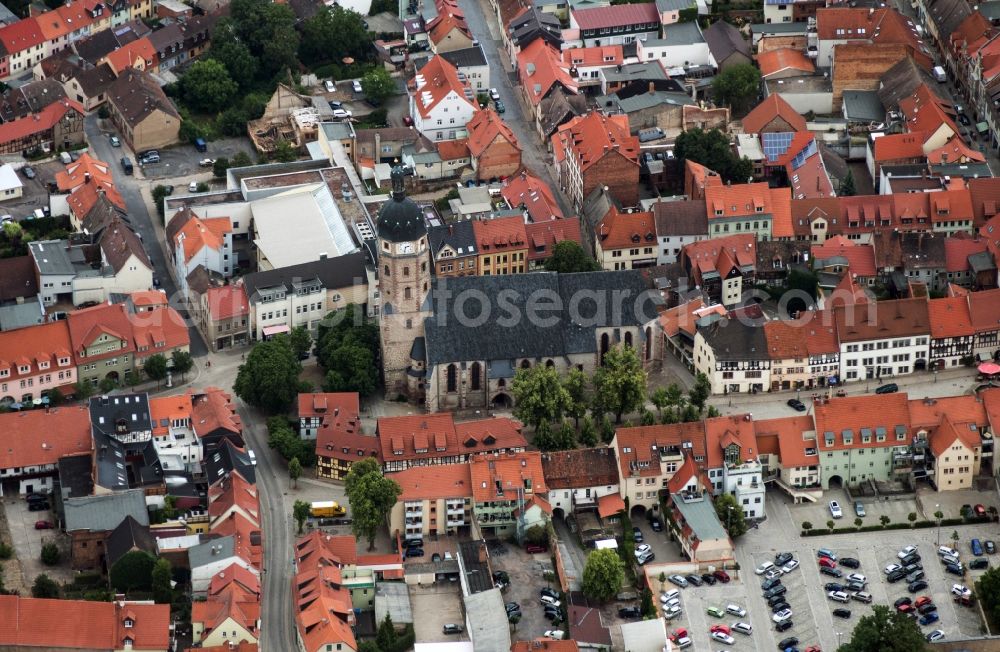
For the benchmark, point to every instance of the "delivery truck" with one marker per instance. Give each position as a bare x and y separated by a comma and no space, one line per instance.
326,509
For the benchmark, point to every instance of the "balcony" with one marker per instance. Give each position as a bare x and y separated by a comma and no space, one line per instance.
456,510
414,521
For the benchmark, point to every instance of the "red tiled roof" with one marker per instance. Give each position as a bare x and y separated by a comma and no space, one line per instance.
720,255
130,54
955,151
615,16
544,236
781,210
894,318
212,409
234,574
22,35
779,60
233,491
501,233
928,412
86,325
42,121
791,444
76,173
159,329
534,194
199,233
609,505
643,443
600,55
949,317
721,432
247,537
484,128
541,68
503,477
984,309
591,137
738,200
82,624
853,413
860,257
925,111
432,432
773,106
165,410
942,437
447,481
683,475
443,24
895,147
545,645
227,301
785,340
434,82
33,347
958,250
619,230
41,437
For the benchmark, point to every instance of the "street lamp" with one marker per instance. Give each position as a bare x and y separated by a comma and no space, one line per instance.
937,513
839,634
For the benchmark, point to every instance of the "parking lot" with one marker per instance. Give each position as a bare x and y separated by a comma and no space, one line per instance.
819,513
27,541
695,600
183,160
434,607
814,623
527,574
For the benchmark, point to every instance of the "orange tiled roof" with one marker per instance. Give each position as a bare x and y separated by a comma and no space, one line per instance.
84,197
534,194
500,234
779,60
485,128
40,122
148,298
76,173
431,432
541,67
773,106
949,317
721,432
82,624
791,444
233,603
942,437
165,410
852,413
227,301
247,537
233,491
984,309
860,257
599,55
638,447
234,574
161,330
86,325
544,236
447,481
894,147
212,409
619,230
738,200
955,151
683,475
453,150
785,340
781,209
40,437
435,81
199,233
139,54
23,35
544,645
591,137
926,413
443,24
925,111
34,347
503,477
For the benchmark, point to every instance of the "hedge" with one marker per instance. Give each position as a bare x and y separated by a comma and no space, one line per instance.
815,532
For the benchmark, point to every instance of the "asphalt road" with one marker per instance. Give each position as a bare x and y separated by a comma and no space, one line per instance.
128,188
277,624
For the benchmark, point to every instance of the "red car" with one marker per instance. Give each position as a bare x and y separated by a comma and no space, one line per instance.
408,121
980,510
43,525
720,628
533,548
823,561
813,648
922,600
678,634
722,576
904,608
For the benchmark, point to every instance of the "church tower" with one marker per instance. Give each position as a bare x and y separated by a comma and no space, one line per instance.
404,282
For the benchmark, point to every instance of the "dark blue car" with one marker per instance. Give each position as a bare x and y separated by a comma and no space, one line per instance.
927,619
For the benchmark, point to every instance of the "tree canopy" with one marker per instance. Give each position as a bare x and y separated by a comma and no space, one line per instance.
207,86
132,572
268,30
44,587
737,87
155,366
988,590
619,383
730,514
289,445
885,631
160,579
712,149
269,378
539,395
371,496
378,85
332,34
568,257
603,574
347,348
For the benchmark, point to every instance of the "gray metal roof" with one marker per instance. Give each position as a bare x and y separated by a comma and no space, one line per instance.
680,34
863,106
465,57
701,517
676,5
19,315
488,626
509,333
778,28
105,512
337,130
734,340
337,272
52,257
645,71
213,549
393,599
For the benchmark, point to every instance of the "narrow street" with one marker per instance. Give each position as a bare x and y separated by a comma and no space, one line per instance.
128,187
534,154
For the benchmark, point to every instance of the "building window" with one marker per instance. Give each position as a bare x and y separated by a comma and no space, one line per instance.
452,378
474,376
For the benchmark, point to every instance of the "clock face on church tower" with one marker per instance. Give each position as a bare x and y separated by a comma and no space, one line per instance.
406,248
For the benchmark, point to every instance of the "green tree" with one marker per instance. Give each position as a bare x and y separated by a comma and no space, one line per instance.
539,395
675,399
371,496
858,522
607,430
954,536
132,572
378,85
806,525
885,631
912,518
169,507
588,433
107,384
646,605
988,590
268,30
287,442
603,575
50,554
207,86
565,437
231,52
160,581
301,511
884,520
294,471
385,637
56,397
738,87
155,366
537,535
351,368
241,160
698,394
731,516
544,439
647,418
619,383
575,383
44,587
269,379
660,400
829,525
301,341
284,152
219,167
181,362
333,34
159,192
569,257
83,390
712,149
847,188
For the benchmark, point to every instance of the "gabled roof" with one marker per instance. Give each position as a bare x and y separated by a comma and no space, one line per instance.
136,95
639,448
436,81
895,147
140,54
848,415
774,106
785,340
81,624
484,128
724,39
499,234
437,435
948,432
119,244
615,16
859,258
729,430
924,111
544,236
895,318
447,481
779,60
200,233
534,194
949,317
620,230
505,477
128,536
226,302
41,437
541,69
40,122
580,468
591,137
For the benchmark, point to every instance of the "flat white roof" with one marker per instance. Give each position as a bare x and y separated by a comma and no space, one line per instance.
8,178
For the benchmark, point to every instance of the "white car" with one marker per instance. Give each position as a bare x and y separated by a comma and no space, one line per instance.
329,86
723,637
936,635
782,615
960,589
669,595
642,549
670,602
341,114
835,510
548,599
683,642
494,94
946,551
905,551
356,85
790,566
555,633
857,577
743,628
736,610
892,567
763,568
774,572
672,611
838,596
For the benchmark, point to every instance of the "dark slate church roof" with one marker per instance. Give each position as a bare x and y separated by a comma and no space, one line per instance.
510,333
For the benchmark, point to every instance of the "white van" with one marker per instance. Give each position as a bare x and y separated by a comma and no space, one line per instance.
65,158
356,84
940,74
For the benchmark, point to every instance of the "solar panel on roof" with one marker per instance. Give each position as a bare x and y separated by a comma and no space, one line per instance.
801,157
776,144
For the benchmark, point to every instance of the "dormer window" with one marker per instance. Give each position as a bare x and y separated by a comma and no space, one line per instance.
129,623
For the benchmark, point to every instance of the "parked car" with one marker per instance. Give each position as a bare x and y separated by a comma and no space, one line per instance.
743,628
693,579
827,553
784,614
534,548
763,568
990,547
722,576
776,591
901,601
911,558
980,510
977,547
28,172
889,388
859,509
790,566
709,579
452,628
944,551
786,643
955,569
914,576
630,612
500,106
840,612
862,596
960,589
919,585
891,568
930,618
979,563
857,577
796,405
678,580
773,573
722,637
908,550
936,635
356,86
43,525
827,563
783,558
767,585
642,549
736,610
832,572
922,600
645,558
835,510
656,524
556,634
781,605
849,562
637,534
833,586
38,507
206,162
838,596
550,600
715,611
494,94
927,608
115,141
783,625
342,114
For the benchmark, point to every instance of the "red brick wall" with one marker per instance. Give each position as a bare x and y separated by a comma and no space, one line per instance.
87,550
860,66
769,43
500,159
619,174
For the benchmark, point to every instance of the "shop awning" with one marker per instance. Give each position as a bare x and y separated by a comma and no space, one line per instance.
270,331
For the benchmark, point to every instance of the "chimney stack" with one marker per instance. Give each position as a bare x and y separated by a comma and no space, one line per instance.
652,87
